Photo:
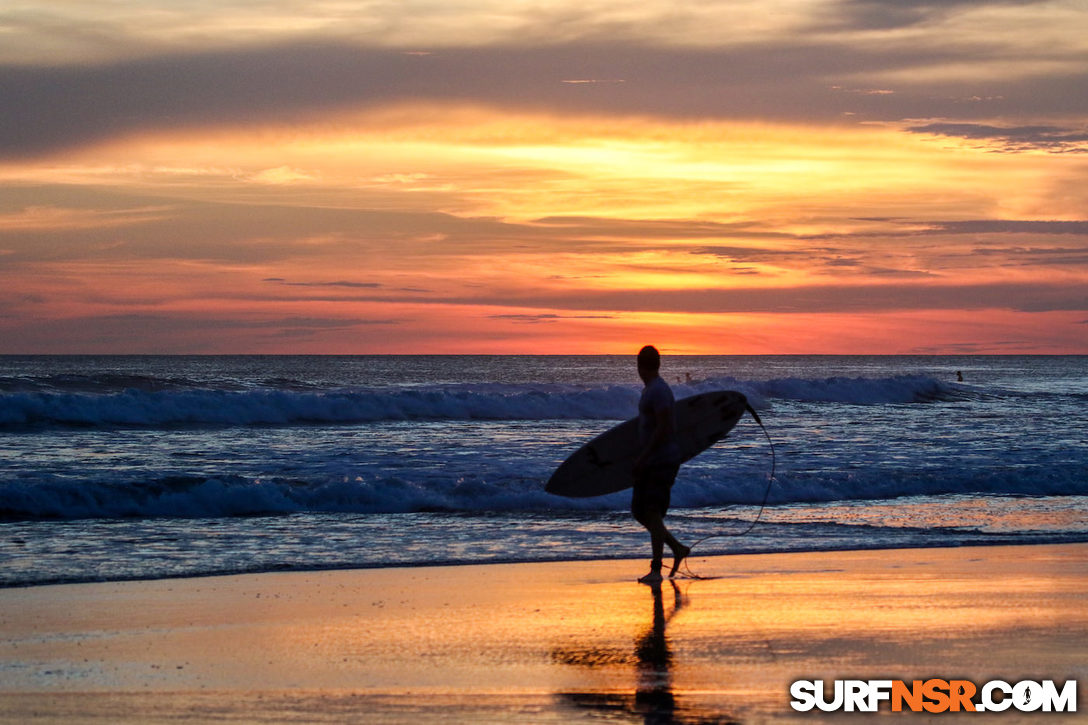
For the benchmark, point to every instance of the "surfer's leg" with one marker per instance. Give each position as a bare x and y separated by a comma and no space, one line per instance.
659,536
649,504
651,520
646,510
679,553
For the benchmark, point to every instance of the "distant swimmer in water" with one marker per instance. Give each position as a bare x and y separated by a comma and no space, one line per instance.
959,376
657,464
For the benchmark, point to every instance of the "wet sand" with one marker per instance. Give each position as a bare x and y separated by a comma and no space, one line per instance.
549,642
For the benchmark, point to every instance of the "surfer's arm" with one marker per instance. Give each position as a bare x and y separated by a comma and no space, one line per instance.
663,423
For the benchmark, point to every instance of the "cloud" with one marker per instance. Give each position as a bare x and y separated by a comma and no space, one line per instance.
339,283
618,228
1067,257
830,260
183,322
170,333
1011,226
1064,139
740,254
976,348
49,219
547,317
280,175
892,14
1022,297
227,232
65,107
897,228
804,299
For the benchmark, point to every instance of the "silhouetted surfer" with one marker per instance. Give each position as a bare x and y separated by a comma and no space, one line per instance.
657,464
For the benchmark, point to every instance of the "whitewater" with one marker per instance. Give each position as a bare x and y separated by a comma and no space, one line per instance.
123,467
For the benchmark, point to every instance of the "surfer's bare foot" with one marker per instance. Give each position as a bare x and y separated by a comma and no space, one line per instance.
654,577
679,555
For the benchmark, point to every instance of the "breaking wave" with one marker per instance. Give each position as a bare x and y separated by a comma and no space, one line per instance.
184,496
119,402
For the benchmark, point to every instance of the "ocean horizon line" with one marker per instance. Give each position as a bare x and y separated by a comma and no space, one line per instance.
540,355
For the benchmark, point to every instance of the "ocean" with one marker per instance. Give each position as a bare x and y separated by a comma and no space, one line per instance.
142,467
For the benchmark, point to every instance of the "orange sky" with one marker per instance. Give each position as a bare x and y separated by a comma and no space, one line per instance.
861,176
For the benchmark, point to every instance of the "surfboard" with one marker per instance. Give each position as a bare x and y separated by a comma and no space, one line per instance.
605,464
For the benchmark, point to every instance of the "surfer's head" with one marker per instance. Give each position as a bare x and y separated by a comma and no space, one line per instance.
649,362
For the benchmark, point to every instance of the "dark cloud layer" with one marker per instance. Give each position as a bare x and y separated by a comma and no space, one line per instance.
888,14
1025,297
225,232
168,333
546,317
1012,226
923,228
220,232
338,283
1014,138
1021,297
45,109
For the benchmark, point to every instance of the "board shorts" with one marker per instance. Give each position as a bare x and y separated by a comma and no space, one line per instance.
653,488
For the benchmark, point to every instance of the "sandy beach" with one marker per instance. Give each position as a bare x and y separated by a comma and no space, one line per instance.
548,642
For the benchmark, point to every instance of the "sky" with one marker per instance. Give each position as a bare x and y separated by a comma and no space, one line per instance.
509,176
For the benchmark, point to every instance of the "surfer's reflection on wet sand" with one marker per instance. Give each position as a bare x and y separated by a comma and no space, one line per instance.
654,695
653,701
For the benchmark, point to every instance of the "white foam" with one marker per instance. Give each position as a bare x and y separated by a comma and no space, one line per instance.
139,407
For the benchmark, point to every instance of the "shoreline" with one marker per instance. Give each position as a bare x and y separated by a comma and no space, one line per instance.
539,642
1054,541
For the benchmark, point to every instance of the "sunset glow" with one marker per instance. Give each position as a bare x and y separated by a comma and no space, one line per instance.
829,177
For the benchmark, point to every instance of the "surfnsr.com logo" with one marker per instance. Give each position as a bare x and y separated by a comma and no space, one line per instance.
934,695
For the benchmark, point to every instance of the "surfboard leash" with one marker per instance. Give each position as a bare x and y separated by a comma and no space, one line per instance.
762,504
